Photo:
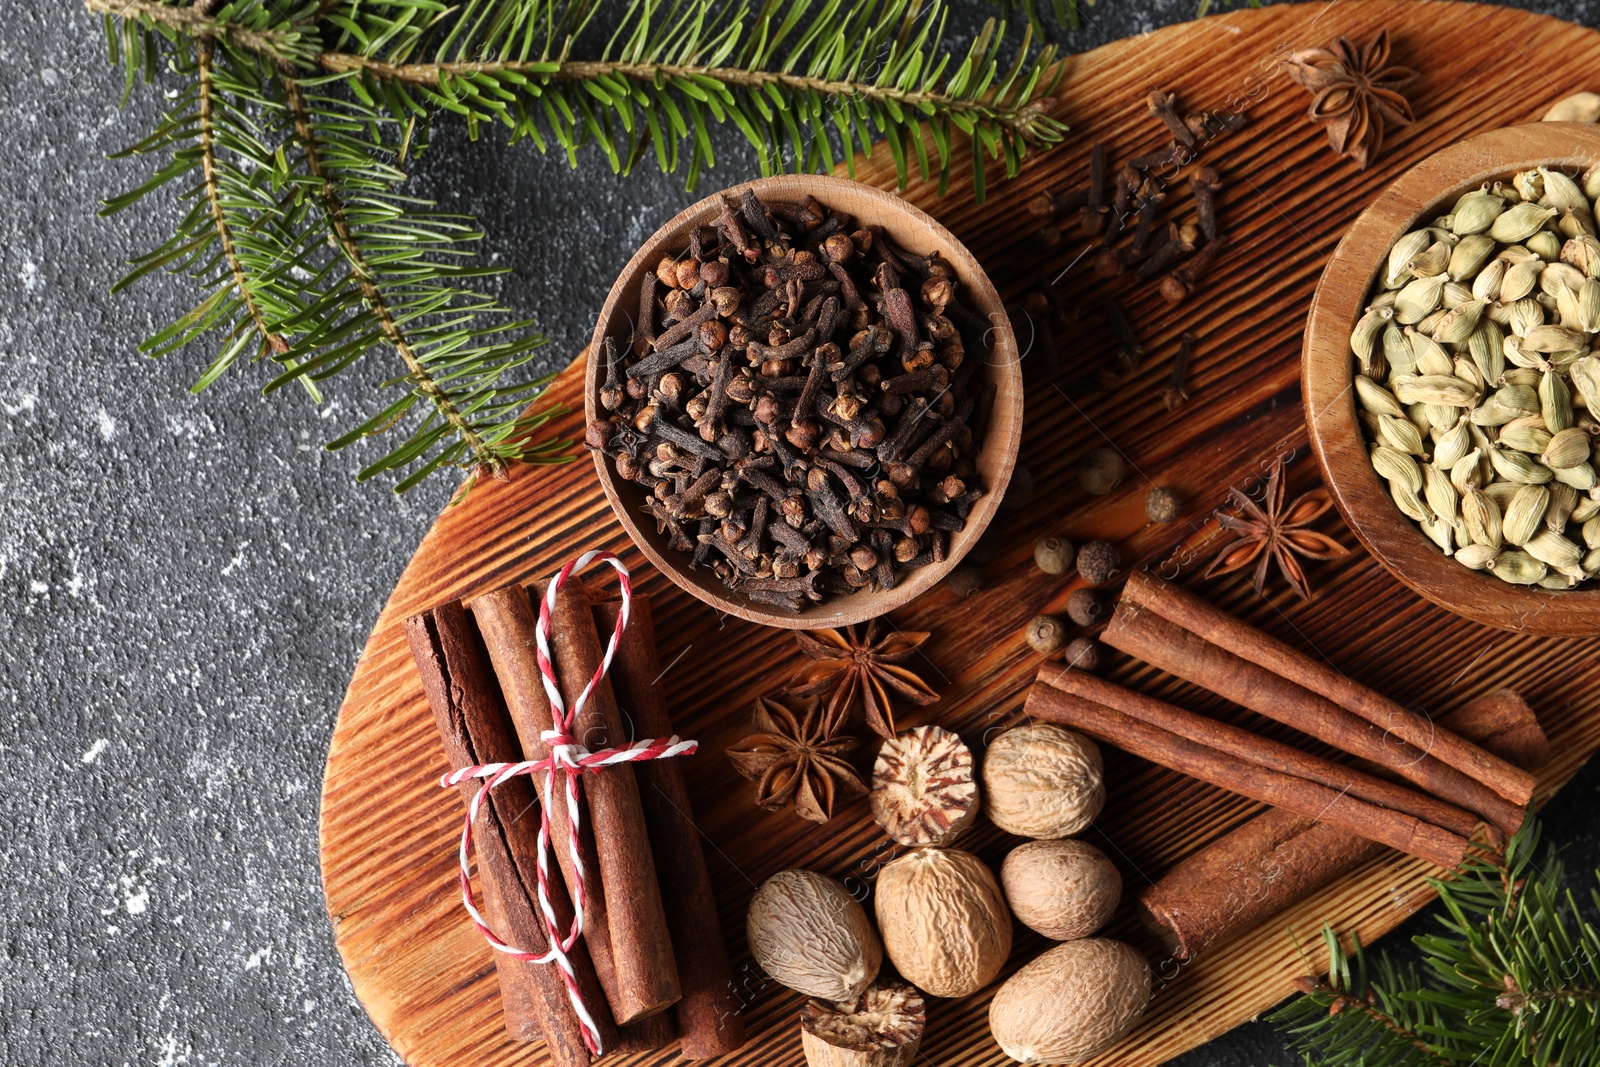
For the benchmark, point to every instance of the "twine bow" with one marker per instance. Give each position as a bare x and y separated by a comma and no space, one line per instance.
568,760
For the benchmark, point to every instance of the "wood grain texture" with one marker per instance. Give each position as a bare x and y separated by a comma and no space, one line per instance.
912,229
1362,498
388,841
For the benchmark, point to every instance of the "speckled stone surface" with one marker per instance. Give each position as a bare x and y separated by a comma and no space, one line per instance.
188,582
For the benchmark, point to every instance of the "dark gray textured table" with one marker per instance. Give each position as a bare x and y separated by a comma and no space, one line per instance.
189,581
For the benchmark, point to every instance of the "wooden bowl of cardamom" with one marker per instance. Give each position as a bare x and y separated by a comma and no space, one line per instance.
804,401
1452,390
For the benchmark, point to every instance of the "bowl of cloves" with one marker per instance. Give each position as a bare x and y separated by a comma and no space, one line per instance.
804,401
1452,385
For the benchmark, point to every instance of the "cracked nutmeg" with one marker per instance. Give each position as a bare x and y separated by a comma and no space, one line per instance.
848,669
924,787
882,1028
1355,93
793,759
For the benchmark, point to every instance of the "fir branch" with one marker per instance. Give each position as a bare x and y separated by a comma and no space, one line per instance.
326,190
270,339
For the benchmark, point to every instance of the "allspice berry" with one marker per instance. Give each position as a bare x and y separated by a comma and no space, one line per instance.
1101,471
1085,654
964,579
1020,492
1046,634
1163,504
1084,607
1098,562
1054,555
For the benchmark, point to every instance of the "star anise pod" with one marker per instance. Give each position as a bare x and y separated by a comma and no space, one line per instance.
791,759
1355,93
1268,531
846,669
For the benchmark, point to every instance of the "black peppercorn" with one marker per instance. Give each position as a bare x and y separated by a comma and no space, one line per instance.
1084,607
1085,654
1163,504
1045,634
1101,471
1053,555
1098,562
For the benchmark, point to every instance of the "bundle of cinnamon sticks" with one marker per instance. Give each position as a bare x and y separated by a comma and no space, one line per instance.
652,966
1412,784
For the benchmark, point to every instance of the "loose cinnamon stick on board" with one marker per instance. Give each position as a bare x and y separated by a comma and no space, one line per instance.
1278,858
1253,748
475,729
1141,632
1177,605
1049,704
708,1015
508,620
641,948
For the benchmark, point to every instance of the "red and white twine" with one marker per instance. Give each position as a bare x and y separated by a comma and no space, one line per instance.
568,759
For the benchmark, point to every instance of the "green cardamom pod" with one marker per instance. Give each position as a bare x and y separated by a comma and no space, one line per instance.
1481,516
1452,445
1545,245
1591,531
1407,500
1561,192
1547,546
1396,274
1444,389
1585,375
1555,402
1486,346
1525,438
1475,213
1476,556
1471,255
1563,499
1518,467
1582,477
1517,567
1366,332
1376,399
1459,322
1396,466
1566,449
1520,222
1402,435
1520,279
1582,252
1439,493
1525,513
1417,299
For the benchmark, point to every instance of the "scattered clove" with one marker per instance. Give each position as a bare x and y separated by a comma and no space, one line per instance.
1164,106
1177,391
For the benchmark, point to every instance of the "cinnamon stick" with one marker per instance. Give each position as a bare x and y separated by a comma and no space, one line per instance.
1253,748
641,948
1142,632
1177,605
1278,857
708,1014
1407,833
475,729
508,621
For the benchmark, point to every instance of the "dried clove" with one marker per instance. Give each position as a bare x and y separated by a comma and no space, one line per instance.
1177,391
1205,184
1164,106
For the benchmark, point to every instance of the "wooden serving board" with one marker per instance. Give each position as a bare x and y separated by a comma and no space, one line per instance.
388,839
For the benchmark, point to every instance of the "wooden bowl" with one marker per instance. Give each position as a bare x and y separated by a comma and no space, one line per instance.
1425,191
911,228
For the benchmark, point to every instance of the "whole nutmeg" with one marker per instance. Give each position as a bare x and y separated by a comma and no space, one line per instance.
1163,504
1054,555
811,935
1098,562
1084,607
1062,889
944,921
883,1028
1070,1003
1042,781
1046,634
1085,654
1101,471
